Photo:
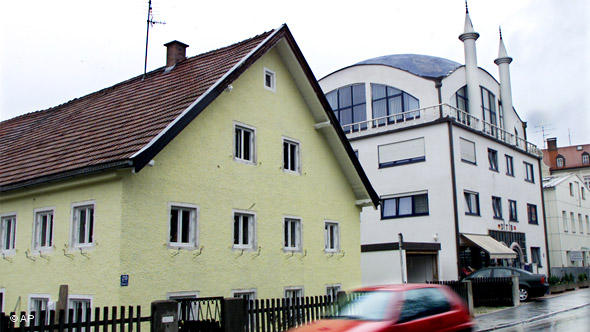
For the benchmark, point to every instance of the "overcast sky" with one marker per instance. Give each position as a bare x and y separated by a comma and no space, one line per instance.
54,51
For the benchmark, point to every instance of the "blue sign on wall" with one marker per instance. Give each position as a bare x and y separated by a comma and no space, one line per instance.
124,280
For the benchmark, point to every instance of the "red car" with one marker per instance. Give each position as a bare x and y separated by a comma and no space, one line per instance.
410,307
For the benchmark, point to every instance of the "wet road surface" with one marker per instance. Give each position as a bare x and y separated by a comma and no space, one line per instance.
577,320
525,314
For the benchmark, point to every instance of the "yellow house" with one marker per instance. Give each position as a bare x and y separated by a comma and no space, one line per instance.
221,174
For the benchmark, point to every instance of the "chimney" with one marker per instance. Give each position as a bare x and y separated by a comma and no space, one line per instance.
175,52
552,144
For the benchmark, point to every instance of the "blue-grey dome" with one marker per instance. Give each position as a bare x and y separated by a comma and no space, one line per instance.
417,64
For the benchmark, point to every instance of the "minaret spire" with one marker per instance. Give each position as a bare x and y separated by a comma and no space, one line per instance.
503,61
468,37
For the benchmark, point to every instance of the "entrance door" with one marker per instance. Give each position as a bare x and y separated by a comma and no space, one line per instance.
422,267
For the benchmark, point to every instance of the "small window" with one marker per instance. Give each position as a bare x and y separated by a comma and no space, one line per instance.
532,214
560,161
248,294
573,222
245,143
80,306
509,165
472,203
513,215
564,220
467,150
529,175
580,224
292,233
293,292
183,226
43,230
585,158
331,236
83,226
404,206
7,233
497,207
291,161
571,189
401,153
269,80
38,307
244,234
332,291
583,192
536,253
493,159
587,224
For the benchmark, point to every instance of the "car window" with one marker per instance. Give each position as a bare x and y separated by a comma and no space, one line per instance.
502,273
486,273
424,302
365,306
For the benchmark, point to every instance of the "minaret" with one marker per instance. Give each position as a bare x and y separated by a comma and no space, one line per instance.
503,61
468,37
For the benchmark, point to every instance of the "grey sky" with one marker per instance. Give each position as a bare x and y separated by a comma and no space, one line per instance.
54,51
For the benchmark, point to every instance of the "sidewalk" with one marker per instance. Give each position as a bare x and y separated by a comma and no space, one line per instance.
531,311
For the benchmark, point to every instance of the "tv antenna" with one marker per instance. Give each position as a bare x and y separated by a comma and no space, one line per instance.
545,132
150,22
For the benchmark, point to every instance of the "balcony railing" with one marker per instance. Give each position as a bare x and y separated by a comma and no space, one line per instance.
432,113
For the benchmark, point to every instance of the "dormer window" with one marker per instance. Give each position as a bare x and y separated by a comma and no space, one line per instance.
585,158
560,161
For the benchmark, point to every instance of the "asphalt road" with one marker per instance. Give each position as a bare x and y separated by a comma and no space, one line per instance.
577,320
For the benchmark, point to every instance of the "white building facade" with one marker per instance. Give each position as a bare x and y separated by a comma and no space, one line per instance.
457,178
567,205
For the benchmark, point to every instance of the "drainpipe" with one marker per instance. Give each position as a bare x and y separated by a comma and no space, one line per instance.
544,219
401,256
438,85
455,208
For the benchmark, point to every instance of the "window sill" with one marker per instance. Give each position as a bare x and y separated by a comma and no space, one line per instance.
288,171
8,253
472,214
529,181
508,174
292,250
510,220
405,216
534,223
498,218
469,162
494,170
402,162
190,246
245,248
245,161
331,251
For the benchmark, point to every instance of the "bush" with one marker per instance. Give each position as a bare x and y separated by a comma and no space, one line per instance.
582,277
567,278
554,280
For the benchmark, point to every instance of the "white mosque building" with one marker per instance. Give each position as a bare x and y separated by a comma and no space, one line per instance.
446,151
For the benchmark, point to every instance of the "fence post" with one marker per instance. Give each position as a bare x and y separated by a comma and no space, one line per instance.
469,295
515,292
234,315
164,316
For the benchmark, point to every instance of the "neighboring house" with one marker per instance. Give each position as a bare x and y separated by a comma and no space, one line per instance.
567,209
221,174
568,159
447,153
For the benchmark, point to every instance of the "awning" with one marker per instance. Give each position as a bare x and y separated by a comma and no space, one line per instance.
496,249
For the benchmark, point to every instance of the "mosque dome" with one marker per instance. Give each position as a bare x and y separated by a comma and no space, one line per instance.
417,64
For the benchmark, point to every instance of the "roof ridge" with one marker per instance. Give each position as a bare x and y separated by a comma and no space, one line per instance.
112,87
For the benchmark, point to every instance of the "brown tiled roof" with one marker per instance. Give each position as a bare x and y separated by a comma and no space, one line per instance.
110,125
572,155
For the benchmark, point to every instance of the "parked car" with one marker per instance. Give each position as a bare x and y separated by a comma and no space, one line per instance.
529,284
410,307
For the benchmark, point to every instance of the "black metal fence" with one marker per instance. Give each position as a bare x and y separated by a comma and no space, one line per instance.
115,319
282,314
458,286
492,291
200,314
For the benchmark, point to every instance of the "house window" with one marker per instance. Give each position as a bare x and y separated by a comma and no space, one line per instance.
536,253
461,99
291,156
38,307
244,235
512,215
293,292
580,224
472,203
583,192
400,153
292,233
331,236
532,214
493,159
509,165
573,222
80,306
560,161
585,158
43,230
183,226
497,207
404,206
564,219
530,176
7,233
247,294
488,105
467,150
188,308
387,100
83,226
571,189
587,181
587,224
245,143
349,106
332,291
269,79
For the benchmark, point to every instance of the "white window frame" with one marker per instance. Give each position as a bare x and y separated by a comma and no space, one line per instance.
297,144
273,80
45,297
251,229
74,229
330,289
252,143
76,297
237,292
193,226
331,223
298,234
36,241
463,154
293,289
3,217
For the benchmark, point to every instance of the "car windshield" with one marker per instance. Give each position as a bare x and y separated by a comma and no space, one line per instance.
365,306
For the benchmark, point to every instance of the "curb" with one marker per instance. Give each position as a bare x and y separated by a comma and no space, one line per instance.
532,319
